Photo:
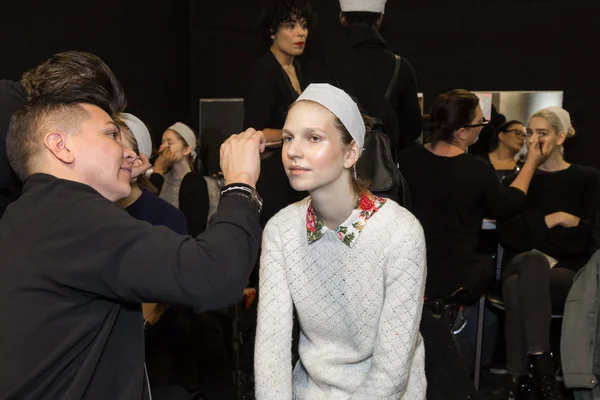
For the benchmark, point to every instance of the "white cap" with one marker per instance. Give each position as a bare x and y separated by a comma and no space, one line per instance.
140,132
374,6
563,115
341,105
187,134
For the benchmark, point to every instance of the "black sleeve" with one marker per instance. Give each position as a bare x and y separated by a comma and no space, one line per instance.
115,256
528,230
499,201
409,112
157,180
260,98
194,202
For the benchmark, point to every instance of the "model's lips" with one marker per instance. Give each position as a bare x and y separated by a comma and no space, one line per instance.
296,170
128,170
300,44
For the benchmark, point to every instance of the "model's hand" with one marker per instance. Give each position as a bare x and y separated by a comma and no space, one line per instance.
240,157
140,165
166,158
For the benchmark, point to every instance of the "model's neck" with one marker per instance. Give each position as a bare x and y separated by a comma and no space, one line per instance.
555,162
334,203
284,59
136,192
180,169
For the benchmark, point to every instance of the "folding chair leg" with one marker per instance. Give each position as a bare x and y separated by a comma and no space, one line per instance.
479,342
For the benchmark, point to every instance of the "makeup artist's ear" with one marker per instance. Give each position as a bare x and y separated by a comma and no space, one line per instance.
351,155
58,145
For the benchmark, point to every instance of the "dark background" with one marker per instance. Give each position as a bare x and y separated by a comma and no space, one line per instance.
167,54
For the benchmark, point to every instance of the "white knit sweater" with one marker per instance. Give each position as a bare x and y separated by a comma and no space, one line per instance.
359,310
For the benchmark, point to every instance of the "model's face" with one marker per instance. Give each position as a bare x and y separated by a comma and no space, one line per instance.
128,141
101,160
291,36
538,126
176,145
313,154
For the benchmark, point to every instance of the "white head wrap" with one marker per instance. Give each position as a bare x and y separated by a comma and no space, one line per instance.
562,114
187,134
375,6
341,105
140,132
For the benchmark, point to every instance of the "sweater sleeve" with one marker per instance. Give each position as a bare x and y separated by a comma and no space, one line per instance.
272,352
398,354
528,230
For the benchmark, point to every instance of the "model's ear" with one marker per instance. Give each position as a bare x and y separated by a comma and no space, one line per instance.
351,155
58,145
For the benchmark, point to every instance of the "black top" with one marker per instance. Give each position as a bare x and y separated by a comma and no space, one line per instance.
575,190
12,97
503,174
75,269
450,197
269,93
194,201
152,209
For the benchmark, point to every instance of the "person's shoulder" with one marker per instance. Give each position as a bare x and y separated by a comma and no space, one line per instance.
396,215
589,172
398,224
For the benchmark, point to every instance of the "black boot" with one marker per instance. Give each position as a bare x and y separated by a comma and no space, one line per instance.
544,378
519,388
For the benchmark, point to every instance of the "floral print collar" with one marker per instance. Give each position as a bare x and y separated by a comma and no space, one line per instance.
366,205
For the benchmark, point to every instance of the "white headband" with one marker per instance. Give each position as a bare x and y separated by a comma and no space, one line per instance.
563,115
140,132
187,134
341,105
375,6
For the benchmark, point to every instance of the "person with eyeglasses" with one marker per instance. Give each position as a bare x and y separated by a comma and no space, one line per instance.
544,247
453,191
505,144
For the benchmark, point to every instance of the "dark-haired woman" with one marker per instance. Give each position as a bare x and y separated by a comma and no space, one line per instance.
452,191
275,81
505,144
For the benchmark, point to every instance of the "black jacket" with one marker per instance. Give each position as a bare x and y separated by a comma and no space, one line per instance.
358,60
12,97
75,269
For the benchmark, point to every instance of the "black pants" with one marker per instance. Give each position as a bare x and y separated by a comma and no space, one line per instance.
530,290
447,377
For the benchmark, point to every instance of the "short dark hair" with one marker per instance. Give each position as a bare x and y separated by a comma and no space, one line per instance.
41,115
279,12
75,70
361,17
502,129
450,111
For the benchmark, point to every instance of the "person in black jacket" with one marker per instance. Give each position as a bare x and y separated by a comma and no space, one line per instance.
69,69
76,267
358,60
545,245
